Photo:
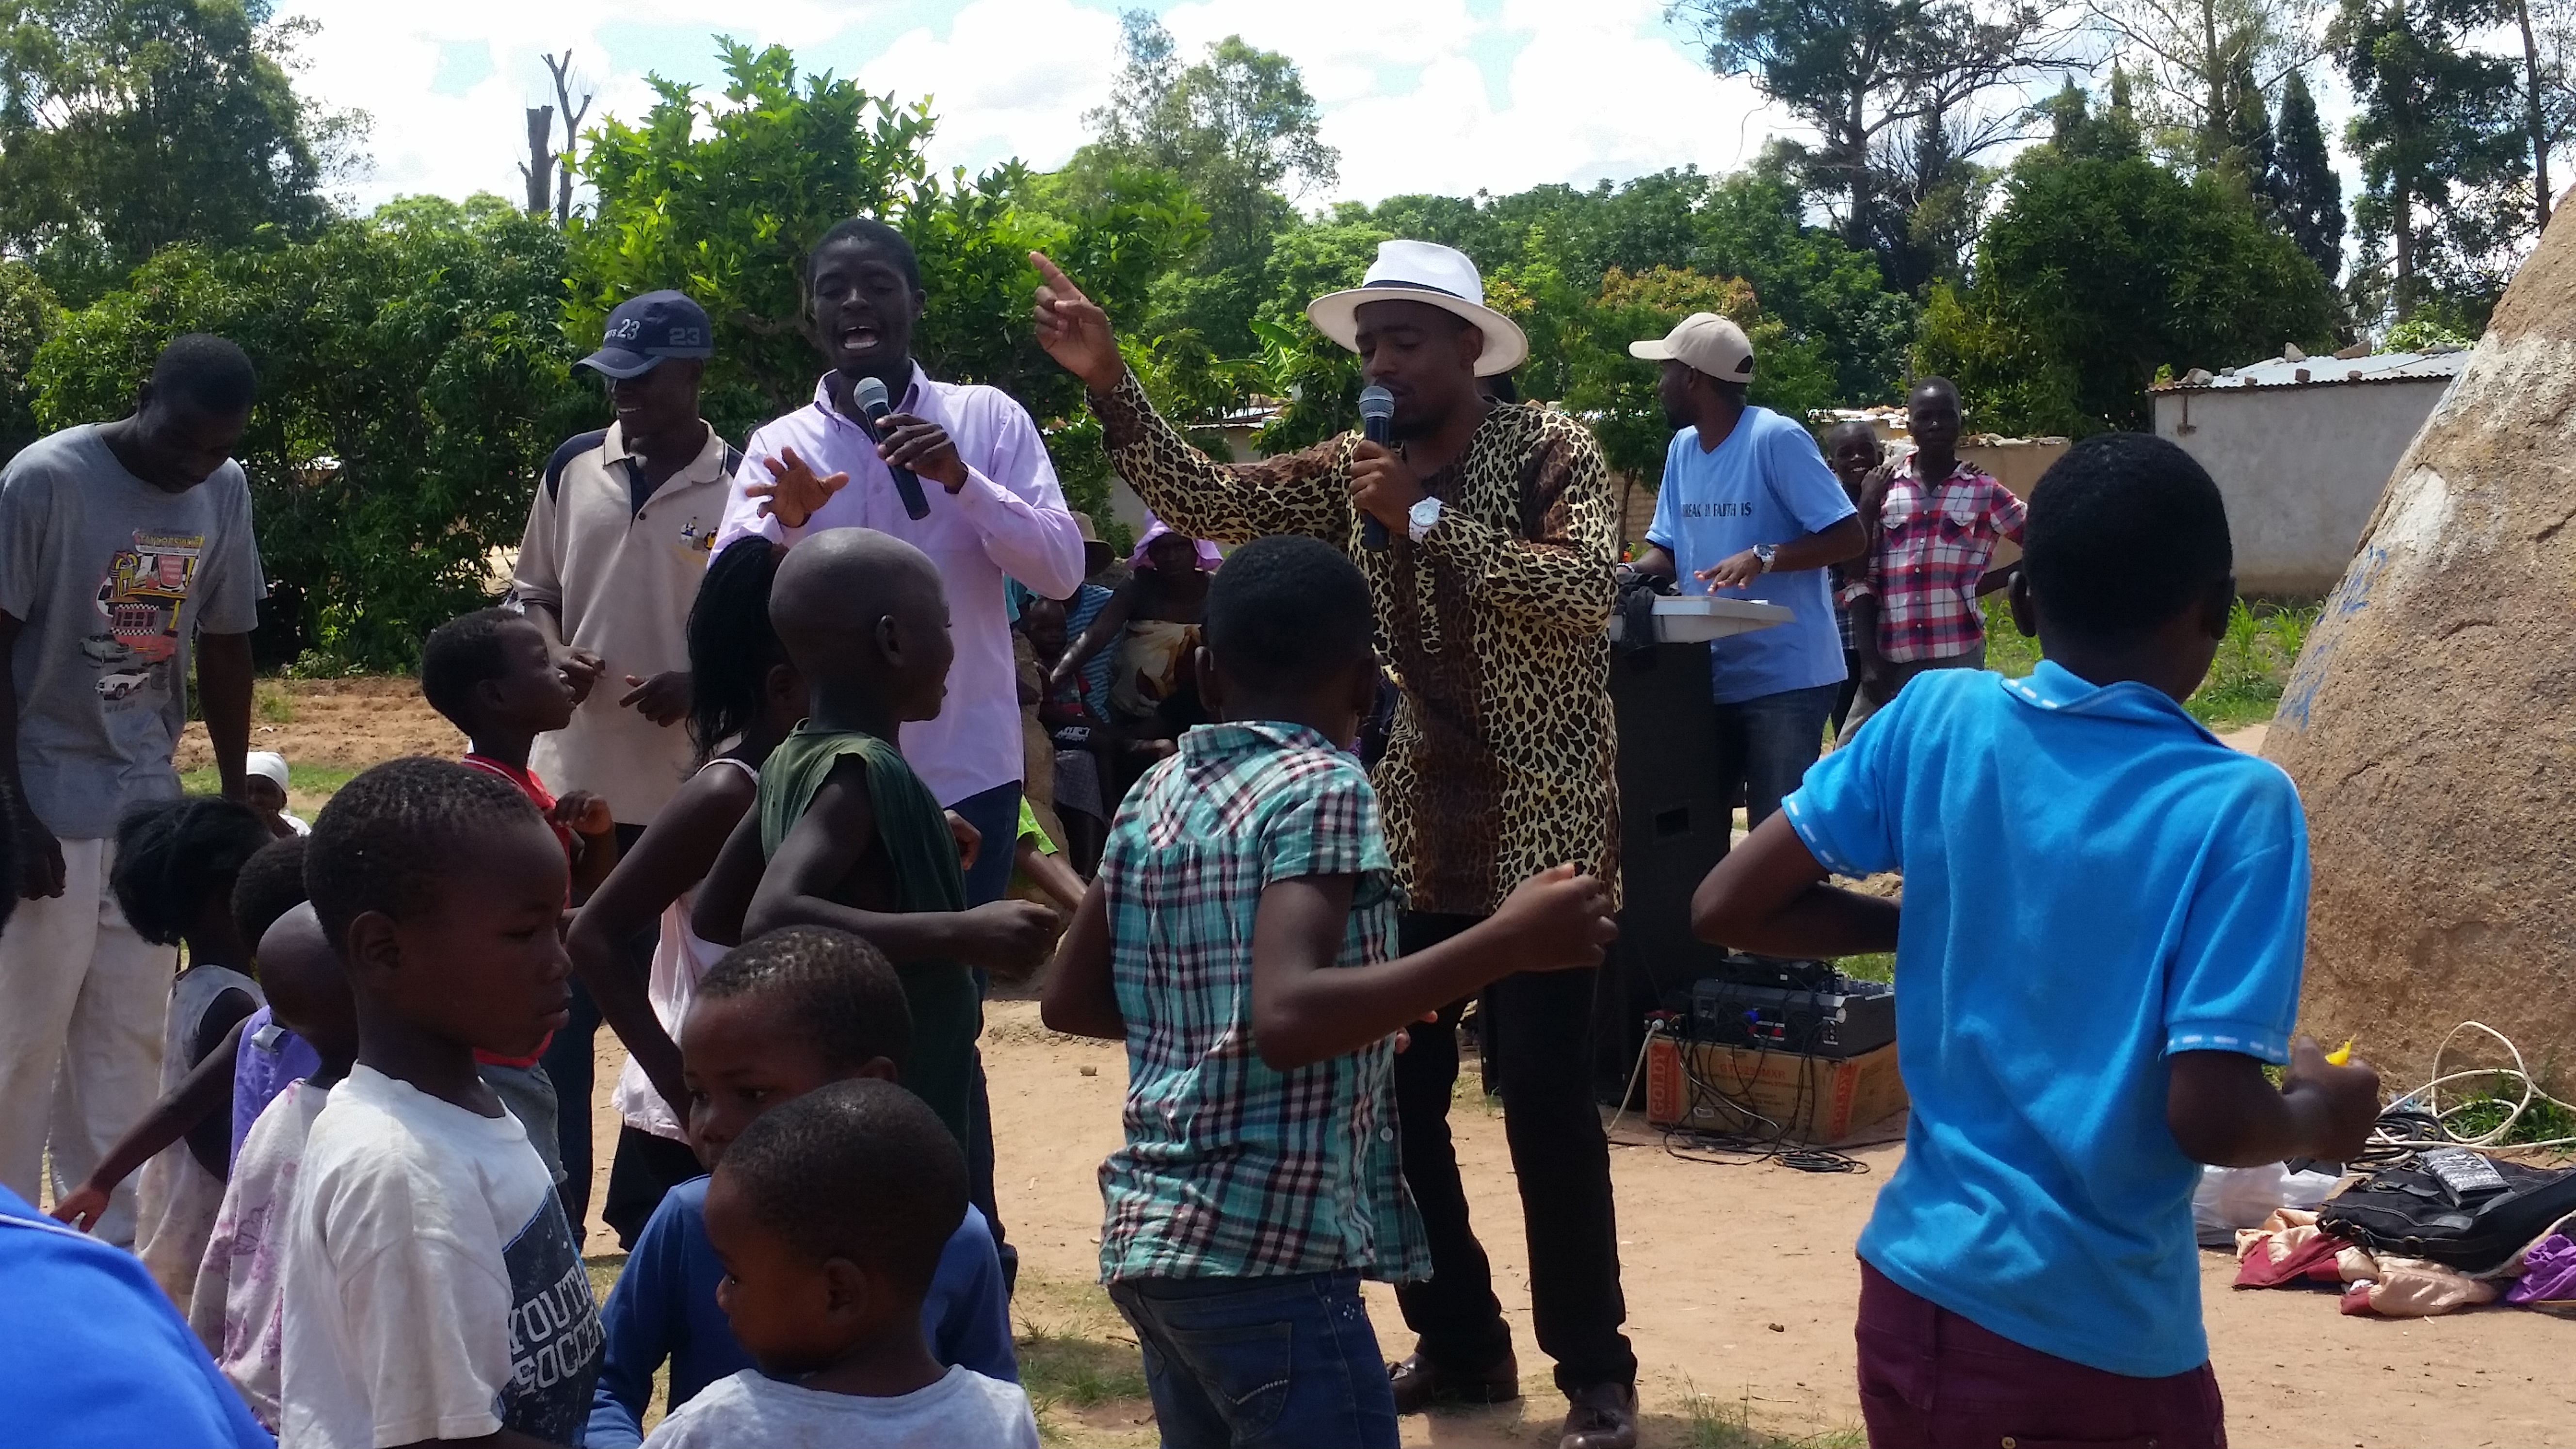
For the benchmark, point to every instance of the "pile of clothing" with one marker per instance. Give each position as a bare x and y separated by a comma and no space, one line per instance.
2434,1234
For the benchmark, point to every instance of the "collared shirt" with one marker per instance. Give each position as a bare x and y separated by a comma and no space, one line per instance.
2093,883
1008,521
1232,1169
619,573
1933,546
1500,764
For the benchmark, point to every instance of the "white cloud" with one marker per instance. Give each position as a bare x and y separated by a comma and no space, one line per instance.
1010,78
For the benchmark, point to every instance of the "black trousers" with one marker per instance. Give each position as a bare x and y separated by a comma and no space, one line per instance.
1538,1032
645,1168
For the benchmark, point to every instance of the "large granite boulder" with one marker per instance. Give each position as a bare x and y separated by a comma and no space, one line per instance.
2431,721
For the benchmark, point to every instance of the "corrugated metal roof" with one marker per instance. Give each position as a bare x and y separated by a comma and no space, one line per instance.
2321,371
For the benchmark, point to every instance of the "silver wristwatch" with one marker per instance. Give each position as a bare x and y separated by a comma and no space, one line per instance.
1766,552
1423,515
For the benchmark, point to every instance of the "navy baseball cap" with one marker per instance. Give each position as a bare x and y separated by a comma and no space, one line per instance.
644,330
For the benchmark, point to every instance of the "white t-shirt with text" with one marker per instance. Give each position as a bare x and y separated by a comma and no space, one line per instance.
433,1289
962,1408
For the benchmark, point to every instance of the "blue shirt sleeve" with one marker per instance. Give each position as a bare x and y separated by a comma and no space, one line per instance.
1805,487
2234,983
1848,809
645,1324
967,1316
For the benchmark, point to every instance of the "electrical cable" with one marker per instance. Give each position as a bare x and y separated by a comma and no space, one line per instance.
1751,1147
2418,1119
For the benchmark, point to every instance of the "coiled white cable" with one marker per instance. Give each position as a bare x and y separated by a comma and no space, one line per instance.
2429,1098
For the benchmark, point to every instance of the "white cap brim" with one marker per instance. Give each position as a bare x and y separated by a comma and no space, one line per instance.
1336,315
1653,349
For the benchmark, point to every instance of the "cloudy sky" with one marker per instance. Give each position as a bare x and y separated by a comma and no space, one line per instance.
1427,95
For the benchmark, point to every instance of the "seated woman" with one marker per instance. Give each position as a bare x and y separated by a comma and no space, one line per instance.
1155,619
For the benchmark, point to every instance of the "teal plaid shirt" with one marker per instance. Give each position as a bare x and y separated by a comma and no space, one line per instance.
1231,1169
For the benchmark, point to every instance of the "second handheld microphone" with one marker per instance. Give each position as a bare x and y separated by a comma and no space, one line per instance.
1377,422
870,395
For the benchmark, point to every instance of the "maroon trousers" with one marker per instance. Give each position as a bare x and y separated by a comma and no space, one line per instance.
1930,1379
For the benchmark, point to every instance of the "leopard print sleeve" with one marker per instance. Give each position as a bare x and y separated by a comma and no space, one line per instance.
1302,492
1555,571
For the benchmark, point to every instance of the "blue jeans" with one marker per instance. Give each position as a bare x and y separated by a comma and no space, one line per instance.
1766,743
1261,1363
995,814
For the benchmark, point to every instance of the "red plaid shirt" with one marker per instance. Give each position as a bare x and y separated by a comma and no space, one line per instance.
1933,546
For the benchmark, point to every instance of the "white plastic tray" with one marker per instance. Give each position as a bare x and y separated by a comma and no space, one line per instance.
1693,619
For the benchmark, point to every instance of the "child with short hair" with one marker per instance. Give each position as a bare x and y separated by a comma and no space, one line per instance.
851,837
829,1215
743,699
238,1307
779,1017
432,1287
176,865
1240,939
268,1054
2075,1054
493,676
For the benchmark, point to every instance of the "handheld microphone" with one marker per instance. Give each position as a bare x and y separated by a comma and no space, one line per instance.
870,395
1377,420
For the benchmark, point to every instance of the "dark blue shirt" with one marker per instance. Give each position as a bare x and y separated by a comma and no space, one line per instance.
92,1353
664,1307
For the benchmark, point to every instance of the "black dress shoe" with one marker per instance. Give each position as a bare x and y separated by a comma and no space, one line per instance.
1604,1416
1420,1383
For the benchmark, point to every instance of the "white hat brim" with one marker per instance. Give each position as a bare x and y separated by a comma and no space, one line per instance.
1336,315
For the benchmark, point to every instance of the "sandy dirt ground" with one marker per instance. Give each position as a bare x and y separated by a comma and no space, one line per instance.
1740,1280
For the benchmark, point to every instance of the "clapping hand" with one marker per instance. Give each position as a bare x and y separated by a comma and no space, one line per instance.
584,813
1559,920
794,493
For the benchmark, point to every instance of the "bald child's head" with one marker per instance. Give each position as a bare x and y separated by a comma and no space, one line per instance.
308,987
864,618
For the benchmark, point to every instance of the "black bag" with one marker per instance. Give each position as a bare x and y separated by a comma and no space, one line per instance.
2451,1206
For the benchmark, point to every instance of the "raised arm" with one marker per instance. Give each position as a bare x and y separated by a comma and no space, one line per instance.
1229,502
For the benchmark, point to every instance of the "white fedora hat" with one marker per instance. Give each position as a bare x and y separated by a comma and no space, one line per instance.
1414,271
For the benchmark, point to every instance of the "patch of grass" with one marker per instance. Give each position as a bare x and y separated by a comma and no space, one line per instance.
1876,966
1718,1425
271,704
2007,652
2245,679
2540,1122
322,780
1063,1365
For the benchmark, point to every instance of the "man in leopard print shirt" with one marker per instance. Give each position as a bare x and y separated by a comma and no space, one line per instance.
1493,589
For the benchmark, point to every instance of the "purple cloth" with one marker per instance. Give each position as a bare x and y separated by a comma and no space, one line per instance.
2548,1273
261,1072
1155,528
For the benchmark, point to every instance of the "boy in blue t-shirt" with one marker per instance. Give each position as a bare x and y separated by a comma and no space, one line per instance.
2097,953
778,1017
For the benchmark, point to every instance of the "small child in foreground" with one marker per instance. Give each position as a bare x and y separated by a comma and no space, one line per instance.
850,836
1241,940
264,784
492,675
238,1307
778,1017
829,1215
2029,1273
432,1289
176,865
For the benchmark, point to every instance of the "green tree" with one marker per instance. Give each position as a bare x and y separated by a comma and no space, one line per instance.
2310,193
127,125
28,315
1240,131
2103,269
2445,167
413,377
723,201
2207,64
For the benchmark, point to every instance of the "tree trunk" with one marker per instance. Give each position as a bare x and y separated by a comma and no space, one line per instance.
2402,240
2218,128
2532,117
541,160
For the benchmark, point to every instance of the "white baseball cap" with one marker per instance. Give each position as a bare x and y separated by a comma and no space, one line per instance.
1707,343
267,764
1416,271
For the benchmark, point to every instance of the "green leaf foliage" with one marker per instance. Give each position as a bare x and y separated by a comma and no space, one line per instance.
28,315
413,379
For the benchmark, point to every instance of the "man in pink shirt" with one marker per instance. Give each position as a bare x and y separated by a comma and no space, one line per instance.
996,513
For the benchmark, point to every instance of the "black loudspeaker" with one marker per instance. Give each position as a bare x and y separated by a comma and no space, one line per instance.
1674,824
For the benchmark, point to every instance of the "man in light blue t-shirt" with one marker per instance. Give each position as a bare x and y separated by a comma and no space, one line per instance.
1749,509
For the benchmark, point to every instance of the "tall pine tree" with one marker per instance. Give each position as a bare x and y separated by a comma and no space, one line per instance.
2308,193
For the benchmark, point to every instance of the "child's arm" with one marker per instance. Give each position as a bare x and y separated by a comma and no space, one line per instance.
1081,997
1009,938
206,1090
594,833
724,897
1050,874
210,1141
641,1324
2222,1111
1769,895
673,855
1305,1009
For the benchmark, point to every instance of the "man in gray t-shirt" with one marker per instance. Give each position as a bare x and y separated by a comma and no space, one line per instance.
122,545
